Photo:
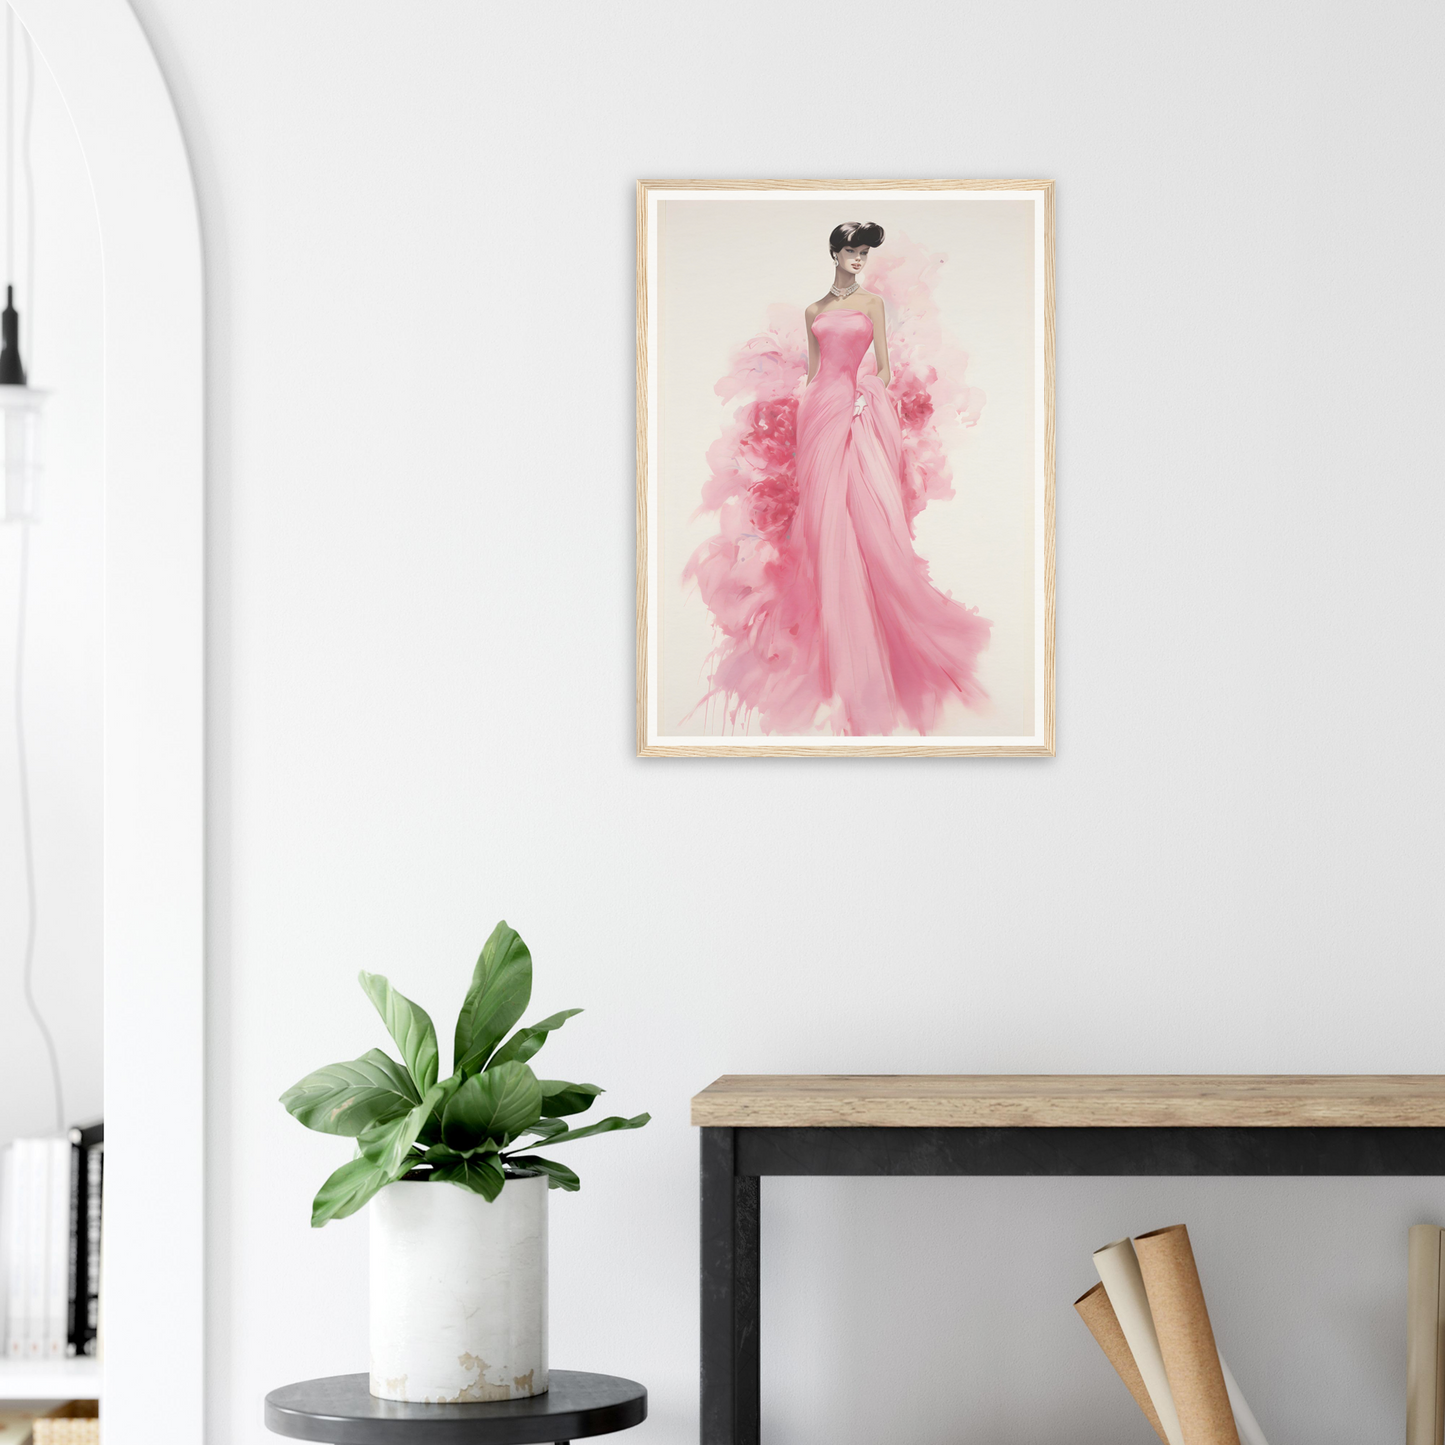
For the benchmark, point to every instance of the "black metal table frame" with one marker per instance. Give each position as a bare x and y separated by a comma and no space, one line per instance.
734,1162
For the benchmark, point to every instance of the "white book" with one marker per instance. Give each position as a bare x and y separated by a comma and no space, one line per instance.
7,1250
37,1181
18,1232
57,1249
17,1304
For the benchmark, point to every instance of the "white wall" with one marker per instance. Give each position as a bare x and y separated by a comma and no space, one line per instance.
420,244
61,339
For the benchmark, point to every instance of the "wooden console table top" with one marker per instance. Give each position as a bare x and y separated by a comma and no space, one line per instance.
1013,1101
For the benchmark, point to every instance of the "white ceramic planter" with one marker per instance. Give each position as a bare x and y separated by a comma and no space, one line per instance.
459,1292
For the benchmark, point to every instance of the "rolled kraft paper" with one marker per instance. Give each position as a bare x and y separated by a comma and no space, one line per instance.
1096,1311
1119,1270
1423,1338
1186,1338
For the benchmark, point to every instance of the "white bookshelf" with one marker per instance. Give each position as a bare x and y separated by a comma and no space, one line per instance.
77,1379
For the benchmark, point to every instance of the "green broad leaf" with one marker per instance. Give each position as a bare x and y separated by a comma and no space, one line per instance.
431,1131
389,1146
559,1176
603,1126
346,1191
546,1129
525,1042
498,1104
351,1098
409,1024
440,1154
482,1175
560,1097
501,989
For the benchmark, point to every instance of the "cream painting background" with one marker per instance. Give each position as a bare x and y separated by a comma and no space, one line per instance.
721,262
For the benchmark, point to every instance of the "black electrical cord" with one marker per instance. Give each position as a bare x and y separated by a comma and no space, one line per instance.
12,372
26,834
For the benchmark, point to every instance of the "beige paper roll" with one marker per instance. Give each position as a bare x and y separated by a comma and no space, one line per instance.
1424,1418
1186,1338
1119,1270
1244,1421
1096,1311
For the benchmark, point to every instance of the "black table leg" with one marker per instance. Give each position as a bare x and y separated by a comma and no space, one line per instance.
730,1289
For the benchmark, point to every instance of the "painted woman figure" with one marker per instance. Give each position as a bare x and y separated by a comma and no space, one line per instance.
827,615
891,645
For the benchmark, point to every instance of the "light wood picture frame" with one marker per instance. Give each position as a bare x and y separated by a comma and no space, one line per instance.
845,549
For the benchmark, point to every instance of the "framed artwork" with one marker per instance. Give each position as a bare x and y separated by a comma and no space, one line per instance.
845,480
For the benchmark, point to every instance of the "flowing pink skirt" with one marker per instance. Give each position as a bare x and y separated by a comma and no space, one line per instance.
887,646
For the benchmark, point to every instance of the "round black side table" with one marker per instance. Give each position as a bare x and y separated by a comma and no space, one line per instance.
341,1410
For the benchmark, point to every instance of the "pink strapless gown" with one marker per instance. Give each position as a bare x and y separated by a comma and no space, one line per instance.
890,647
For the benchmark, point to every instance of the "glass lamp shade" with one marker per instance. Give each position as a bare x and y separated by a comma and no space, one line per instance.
20,408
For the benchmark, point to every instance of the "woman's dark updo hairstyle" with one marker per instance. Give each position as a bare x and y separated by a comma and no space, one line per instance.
855,233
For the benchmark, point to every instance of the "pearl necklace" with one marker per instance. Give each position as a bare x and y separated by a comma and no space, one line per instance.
844,295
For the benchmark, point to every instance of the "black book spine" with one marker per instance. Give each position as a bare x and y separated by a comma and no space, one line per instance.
76,1309
84,1237
95,1172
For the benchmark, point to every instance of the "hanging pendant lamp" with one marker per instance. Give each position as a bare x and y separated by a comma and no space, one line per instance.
20,403
20,406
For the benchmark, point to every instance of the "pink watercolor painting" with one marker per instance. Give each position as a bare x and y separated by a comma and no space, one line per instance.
825,612
846,500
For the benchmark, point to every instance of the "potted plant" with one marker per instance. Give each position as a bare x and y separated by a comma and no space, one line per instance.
458,1275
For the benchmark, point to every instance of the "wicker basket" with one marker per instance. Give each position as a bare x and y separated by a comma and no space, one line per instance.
71,1424
65,1432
